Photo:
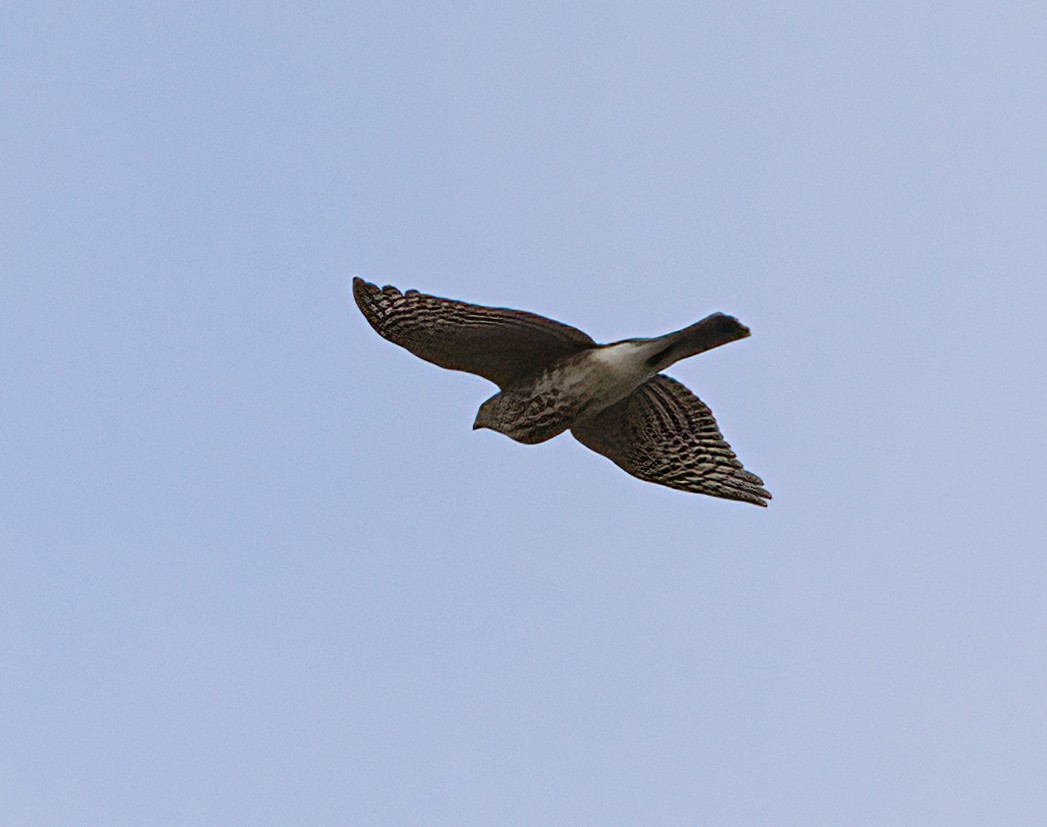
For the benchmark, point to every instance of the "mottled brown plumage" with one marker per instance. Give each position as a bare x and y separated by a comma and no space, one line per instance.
553,377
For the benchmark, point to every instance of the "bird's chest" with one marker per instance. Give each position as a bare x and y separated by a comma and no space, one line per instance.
571,391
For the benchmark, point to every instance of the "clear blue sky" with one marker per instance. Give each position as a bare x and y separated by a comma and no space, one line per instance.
257,569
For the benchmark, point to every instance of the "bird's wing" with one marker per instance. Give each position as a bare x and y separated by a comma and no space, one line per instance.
496,343
665,434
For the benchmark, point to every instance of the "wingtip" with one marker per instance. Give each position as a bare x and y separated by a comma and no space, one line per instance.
757,494
363,292
361,286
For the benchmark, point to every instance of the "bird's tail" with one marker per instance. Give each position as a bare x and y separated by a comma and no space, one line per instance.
712,331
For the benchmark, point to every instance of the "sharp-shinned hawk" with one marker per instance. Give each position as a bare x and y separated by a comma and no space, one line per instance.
553,377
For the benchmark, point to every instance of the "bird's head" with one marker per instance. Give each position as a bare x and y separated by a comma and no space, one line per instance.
498,413
486,416
518,416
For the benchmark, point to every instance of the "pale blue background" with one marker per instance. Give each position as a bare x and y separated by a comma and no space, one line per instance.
257,569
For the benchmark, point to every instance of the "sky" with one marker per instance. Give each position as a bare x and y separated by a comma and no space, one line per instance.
255,566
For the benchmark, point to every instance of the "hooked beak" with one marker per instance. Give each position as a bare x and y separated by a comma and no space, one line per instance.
483,417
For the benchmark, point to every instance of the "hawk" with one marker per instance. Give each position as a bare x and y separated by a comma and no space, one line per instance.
613,398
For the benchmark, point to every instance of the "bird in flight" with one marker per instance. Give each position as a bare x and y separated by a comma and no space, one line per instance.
613,398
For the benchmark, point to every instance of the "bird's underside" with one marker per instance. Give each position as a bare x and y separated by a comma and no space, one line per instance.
554,377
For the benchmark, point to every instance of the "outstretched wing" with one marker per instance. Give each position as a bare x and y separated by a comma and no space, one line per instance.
665,434
496,343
